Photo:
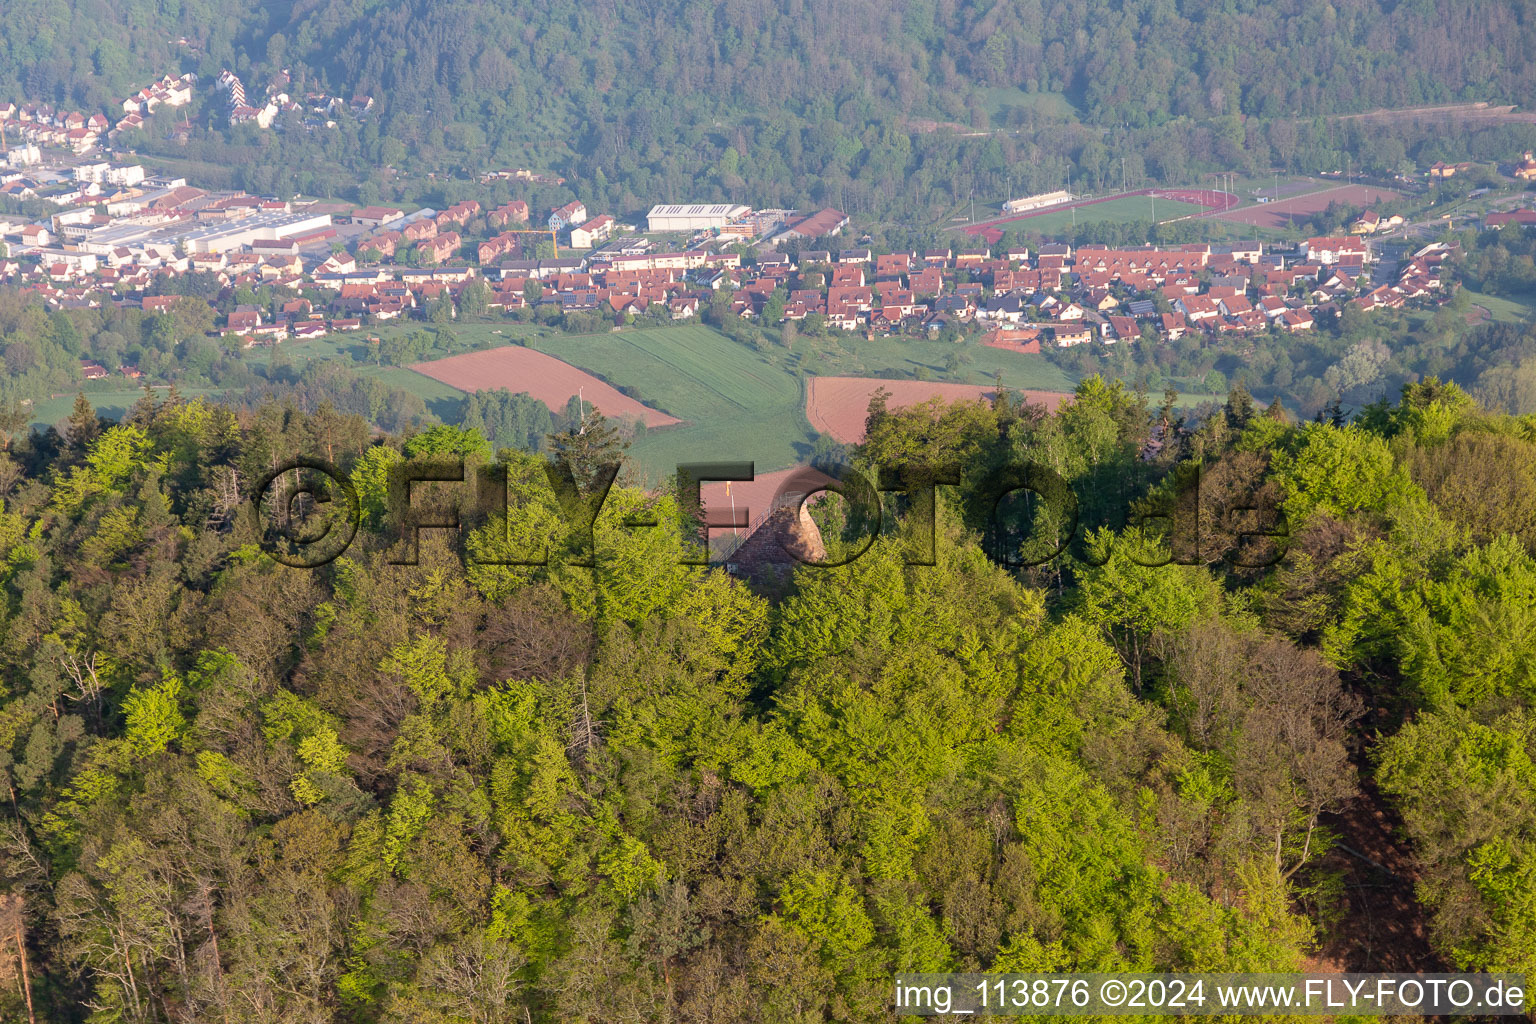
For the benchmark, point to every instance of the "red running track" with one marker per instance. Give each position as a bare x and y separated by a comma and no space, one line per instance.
1214,200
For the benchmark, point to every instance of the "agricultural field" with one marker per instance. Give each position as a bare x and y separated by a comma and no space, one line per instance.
721,400
733,402
442,400
736,404
837,405
352,348
112,404
853,355
552,381
1504,309
348,346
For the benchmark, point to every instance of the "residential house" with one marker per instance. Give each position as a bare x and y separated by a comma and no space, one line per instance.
1196,308
243,322
594,231
337,263
569,215
419,230
848,275
1174,326
1067,335
1366,223
971,258
514,212
1328,251
1272,306
492,249
443,247
1123,328
1008,308
385,242
1296,320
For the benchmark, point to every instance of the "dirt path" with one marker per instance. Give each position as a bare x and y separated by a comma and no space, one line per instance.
1384,928
1480,111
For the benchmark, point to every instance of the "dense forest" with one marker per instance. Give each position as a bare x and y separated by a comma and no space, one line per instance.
616,787
879,111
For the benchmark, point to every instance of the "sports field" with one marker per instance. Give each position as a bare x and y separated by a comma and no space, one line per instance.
1135,208
1150,205
1286,212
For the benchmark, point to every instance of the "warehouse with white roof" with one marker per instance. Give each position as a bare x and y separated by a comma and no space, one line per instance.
694,216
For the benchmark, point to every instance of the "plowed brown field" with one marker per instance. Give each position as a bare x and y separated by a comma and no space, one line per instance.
546,378
838,405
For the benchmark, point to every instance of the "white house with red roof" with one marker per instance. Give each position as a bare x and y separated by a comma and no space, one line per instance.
1329,251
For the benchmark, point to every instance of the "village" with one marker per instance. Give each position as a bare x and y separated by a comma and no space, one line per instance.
120,236
28,128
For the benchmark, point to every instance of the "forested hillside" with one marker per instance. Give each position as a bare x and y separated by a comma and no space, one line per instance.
798,102
240,791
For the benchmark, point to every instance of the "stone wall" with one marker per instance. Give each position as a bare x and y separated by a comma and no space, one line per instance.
767,558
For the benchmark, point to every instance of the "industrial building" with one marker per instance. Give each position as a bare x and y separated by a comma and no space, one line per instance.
240,233
694,216
205,238
821,224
